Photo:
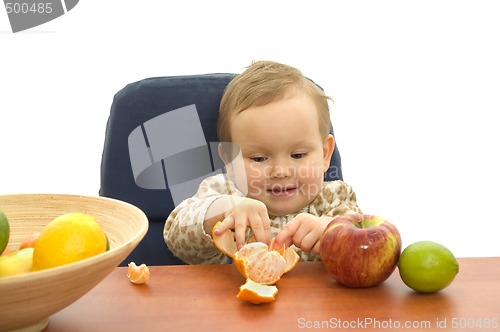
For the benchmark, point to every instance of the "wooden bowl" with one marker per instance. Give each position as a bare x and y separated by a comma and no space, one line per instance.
28,300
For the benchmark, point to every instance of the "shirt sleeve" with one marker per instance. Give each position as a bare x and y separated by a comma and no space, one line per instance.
183,232
337,198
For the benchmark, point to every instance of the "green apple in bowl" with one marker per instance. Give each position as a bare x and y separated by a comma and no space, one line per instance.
4,232
360,250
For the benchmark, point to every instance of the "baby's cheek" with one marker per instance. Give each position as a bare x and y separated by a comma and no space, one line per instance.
255,187
312,187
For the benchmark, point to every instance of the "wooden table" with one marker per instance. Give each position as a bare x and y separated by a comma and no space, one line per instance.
203,298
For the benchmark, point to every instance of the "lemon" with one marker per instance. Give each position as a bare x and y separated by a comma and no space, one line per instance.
17,262
67,239
4,232
427,266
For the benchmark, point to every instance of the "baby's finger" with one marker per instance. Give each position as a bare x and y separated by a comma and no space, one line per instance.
285,237
240,228
227,223
308,243
267,227
261,229
315,250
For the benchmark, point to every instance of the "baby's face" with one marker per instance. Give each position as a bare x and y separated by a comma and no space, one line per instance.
283,153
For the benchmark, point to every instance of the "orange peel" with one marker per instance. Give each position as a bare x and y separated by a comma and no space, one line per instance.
256,260
256,293
138,274
225,241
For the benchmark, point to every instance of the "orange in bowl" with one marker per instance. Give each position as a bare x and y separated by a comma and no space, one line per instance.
29,241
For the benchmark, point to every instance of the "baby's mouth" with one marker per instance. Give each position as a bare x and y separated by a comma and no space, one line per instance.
282,191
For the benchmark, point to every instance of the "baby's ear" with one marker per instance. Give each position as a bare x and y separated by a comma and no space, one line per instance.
235,165
228,153
328,147
224,150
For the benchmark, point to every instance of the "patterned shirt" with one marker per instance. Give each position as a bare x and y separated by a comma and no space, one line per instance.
185,236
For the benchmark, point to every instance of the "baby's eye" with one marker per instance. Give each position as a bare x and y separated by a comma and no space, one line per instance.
258,159
298,155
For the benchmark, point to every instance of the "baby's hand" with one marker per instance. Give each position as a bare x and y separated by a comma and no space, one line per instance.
247,212
304,231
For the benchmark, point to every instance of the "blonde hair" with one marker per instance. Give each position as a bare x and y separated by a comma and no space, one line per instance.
262,83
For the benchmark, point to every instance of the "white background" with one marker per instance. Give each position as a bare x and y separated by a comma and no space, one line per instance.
416,87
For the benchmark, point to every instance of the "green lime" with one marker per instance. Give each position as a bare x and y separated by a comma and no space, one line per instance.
427,266
4,232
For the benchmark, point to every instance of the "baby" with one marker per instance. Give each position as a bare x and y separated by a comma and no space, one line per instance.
274,129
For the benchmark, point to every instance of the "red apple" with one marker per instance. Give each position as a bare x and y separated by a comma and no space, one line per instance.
360,250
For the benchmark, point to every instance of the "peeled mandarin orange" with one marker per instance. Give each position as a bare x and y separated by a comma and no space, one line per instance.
256,293
138,274
255,260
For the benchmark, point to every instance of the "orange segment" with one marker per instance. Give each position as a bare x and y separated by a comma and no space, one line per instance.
138,274
224,242
256,293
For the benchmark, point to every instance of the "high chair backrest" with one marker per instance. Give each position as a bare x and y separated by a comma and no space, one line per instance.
160,142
